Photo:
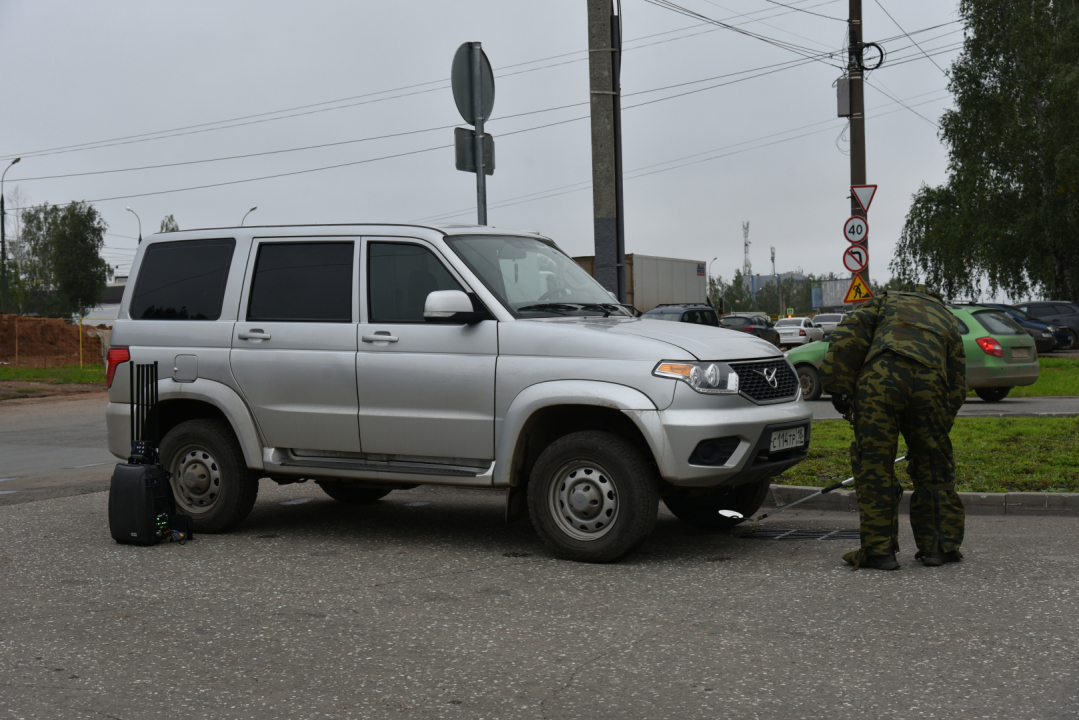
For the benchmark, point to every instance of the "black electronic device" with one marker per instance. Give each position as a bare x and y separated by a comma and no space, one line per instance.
142,508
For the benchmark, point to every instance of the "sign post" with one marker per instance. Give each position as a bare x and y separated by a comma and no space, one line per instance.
473,84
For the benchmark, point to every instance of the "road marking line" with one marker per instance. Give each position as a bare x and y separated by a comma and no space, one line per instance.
79,467
19,477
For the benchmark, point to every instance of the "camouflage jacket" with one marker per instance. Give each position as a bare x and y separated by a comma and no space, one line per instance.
914,324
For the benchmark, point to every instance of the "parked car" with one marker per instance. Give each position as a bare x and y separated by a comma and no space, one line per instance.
373,358
1046,337
1054,312
798,331
683,312
828,321
759,325
1000,355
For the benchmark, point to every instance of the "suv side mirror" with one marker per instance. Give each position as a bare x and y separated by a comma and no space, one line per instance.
451,307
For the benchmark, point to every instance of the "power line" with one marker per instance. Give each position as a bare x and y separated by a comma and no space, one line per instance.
905,33
205,127
829,17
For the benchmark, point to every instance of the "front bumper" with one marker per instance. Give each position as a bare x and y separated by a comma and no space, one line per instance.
689,420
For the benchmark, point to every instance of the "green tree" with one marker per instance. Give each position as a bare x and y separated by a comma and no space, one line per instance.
169,224
63,273
1009,212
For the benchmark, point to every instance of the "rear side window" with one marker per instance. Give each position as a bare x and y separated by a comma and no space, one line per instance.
998,323
182,280
963,329
400,276
1041,310
1065,310
302,282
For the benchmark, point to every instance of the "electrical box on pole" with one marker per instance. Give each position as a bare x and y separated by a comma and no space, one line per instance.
473,84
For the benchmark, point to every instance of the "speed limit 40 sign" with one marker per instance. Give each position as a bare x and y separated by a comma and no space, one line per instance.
856,229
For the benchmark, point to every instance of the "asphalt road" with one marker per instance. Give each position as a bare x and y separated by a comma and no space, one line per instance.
976,407
427,604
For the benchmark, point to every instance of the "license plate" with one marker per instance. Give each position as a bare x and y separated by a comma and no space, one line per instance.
1021,352
787,439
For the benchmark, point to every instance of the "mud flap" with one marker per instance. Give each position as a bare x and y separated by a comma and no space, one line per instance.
516,503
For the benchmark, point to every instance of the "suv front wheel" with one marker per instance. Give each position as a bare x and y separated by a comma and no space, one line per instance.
592,496
210,479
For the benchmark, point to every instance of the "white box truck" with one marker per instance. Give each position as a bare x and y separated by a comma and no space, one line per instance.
652,281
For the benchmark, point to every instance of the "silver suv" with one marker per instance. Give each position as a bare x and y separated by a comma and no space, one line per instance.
370,358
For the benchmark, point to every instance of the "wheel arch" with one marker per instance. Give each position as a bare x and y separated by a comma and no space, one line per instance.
544,412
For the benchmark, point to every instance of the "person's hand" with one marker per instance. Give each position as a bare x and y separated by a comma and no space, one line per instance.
841,404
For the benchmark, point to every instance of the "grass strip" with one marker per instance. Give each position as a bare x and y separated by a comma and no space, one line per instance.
1010,454
1058,376
62,375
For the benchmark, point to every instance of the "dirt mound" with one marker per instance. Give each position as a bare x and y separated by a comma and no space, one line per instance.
34,342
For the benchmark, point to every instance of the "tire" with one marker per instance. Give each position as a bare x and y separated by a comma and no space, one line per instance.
1072,340
210,479
703,510
351,493
992,394
592,496
809,379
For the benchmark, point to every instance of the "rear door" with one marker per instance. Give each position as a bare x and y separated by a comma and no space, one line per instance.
426,390
294,345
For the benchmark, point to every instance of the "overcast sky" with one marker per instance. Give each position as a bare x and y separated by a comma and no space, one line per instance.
766,149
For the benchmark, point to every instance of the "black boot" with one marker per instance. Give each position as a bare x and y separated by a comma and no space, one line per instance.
859,559
936,559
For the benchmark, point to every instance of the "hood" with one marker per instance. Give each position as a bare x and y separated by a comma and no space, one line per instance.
637,337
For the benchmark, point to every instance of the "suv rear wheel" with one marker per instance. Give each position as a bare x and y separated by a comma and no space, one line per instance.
703,510
210,479
592,496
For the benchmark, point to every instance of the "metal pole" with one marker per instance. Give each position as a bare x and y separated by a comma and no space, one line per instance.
620,206
477,117
857,110
3,241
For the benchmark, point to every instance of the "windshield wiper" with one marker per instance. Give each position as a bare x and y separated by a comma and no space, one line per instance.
551,306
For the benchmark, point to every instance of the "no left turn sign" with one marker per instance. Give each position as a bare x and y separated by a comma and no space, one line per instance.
856,229
855,258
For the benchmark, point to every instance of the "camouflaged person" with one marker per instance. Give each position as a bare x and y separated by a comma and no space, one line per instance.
896,365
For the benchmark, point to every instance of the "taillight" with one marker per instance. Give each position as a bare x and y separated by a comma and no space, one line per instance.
802,333
990,346
116,356
748,328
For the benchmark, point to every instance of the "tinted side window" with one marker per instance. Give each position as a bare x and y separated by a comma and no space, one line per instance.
1041,310
963,329
399,278
710,318
302,282
1065,310
182,280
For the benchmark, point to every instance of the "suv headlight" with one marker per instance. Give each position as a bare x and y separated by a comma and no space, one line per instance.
713,378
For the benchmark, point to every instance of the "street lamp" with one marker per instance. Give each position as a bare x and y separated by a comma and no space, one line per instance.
3,241
248,213
140,223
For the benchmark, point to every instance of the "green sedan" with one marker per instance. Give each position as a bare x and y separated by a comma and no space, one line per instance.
1000,355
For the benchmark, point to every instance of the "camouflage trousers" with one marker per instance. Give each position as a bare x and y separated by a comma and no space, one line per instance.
897,395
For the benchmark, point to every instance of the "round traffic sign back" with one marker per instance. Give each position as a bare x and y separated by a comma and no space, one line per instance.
855,258
856,229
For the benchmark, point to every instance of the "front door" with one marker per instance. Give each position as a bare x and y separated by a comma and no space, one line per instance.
294,345
426,390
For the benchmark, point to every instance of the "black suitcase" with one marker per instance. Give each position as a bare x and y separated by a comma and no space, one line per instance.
142,509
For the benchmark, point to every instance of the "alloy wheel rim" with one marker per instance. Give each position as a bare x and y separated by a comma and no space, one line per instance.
196,479
584,501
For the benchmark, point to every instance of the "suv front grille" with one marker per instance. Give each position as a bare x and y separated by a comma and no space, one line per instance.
753,383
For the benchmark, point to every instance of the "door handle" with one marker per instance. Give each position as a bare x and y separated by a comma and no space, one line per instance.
379,338
254,334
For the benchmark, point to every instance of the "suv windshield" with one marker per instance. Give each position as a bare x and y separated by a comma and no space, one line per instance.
533,278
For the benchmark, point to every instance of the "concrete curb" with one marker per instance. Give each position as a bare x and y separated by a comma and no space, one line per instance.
1047,504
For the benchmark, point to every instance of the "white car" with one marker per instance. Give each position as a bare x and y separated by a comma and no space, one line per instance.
828,321
798,331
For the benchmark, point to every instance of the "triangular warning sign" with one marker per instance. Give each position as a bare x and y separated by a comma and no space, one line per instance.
864,195
858,291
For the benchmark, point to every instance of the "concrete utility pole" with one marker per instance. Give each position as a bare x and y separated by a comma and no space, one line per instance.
3,241
604,60
856,38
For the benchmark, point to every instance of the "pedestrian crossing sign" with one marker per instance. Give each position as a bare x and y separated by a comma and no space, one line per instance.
858,291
